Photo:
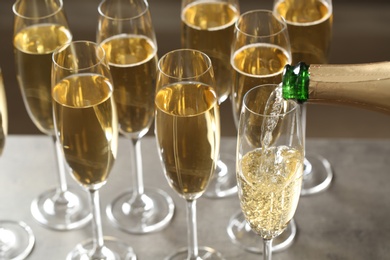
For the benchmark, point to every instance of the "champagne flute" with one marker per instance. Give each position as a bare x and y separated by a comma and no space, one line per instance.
126,33
270,154
260,50
39,28
188,134
309,25
208,26
16,237
86,126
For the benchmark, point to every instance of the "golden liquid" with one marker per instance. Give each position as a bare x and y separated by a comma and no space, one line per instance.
87,126
255,65
33,48
3,115
269,188
309,26
133,65
188,135
209,27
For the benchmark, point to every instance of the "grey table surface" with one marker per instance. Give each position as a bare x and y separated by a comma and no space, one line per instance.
350,220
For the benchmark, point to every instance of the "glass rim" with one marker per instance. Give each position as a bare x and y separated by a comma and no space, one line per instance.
144,11
100,60
265,11
60,7
232,5
290,110
327,3
207,58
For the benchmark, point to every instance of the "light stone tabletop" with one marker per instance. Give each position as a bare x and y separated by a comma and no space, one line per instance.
350,220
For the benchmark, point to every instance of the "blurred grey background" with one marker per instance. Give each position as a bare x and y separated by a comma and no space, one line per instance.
361,33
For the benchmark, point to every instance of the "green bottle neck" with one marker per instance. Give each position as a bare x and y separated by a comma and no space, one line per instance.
295,82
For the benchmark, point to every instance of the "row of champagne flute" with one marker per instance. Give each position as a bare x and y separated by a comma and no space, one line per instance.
124,30
155,210
187,131
86,127
188,137
40,27
252,53
121,25
261,45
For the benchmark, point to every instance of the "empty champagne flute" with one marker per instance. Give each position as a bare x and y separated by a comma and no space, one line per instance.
125,31
16,237
86,126
39,28
309,25
270,154
208,26
187,129
260,50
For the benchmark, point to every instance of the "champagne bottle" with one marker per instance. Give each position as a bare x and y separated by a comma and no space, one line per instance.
365,85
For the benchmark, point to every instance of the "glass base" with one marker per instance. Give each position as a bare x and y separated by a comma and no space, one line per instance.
16,240
242,235
224,182
205,253
114,249
62,211
317,175
150,212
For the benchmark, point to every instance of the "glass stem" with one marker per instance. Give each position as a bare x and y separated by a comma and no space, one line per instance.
267,249
193,250
303,120
306,171
60,165
137,161
96,224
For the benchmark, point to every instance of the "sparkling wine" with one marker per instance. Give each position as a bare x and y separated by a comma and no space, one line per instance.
33,48
255,65
133,65
270,183
188,135
87,126
273,107
309,26
208,27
